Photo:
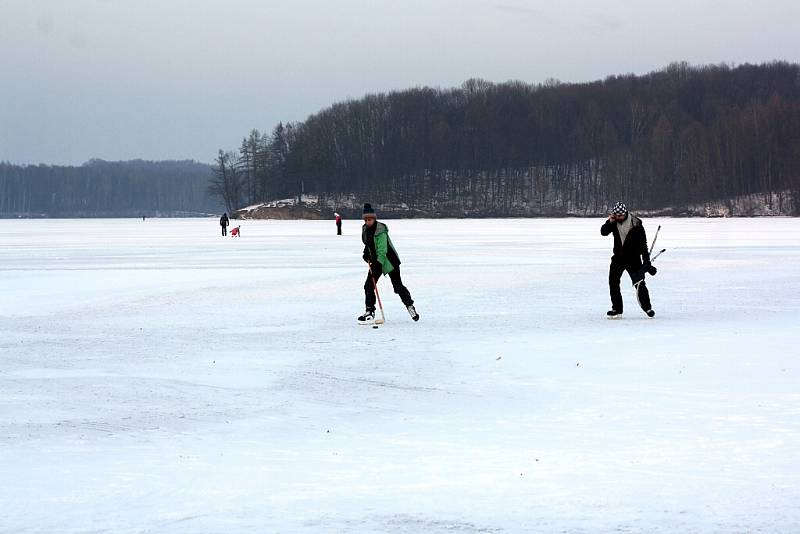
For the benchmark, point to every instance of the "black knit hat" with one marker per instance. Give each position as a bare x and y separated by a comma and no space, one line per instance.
368,211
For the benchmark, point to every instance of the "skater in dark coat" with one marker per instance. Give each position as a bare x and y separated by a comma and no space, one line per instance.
382,258
223,222
630,254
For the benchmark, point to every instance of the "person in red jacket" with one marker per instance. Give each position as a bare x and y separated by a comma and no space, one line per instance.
338,223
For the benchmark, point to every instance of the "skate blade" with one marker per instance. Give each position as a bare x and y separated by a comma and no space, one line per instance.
614,317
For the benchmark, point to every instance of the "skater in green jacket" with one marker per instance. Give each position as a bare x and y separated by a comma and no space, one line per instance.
382,258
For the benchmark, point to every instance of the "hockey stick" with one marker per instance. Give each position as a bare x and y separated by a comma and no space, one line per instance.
653,244
660,252
375,285
641,272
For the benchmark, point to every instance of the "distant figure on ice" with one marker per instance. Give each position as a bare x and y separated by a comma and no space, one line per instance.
224,222
382,258
630,250
338,223
236,232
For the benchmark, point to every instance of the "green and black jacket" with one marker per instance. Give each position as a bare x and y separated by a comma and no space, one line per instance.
378,247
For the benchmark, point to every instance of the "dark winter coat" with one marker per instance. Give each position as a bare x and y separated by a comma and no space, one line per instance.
224,221
378,247
635,243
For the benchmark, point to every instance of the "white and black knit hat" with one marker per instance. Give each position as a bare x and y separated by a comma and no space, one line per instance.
619,209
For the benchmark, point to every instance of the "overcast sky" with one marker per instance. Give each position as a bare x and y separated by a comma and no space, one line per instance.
179,79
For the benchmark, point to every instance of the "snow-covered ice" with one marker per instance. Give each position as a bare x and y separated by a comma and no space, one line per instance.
156,377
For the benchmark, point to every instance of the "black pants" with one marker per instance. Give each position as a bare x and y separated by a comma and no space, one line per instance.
397,284
338,229
224,230
618,266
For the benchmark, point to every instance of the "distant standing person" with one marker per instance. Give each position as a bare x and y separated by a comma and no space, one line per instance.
382,258
338,223
224,222
630,250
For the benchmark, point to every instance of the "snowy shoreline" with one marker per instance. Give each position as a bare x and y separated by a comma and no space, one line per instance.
315,207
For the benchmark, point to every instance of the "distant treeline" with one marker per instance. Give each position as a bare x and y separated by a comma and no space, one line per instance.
106,189
681,135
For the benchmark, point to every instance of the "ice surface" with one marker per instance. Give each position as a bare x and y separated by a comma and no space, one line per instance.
156,377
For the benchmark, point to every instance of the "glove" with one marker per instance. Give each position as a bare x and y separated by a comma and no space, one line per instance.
652,270
376,269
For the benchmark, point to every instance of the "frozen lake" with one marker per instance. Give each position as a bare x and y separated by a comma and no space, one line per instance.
156,377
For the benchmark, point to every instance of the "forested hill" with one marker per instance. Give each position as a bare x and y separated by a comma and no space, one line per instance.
107,189
678,136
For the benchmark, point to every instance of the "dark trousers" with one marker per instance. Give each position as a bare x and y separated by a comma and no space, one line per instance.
618,266
338,229
397,284
224,230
